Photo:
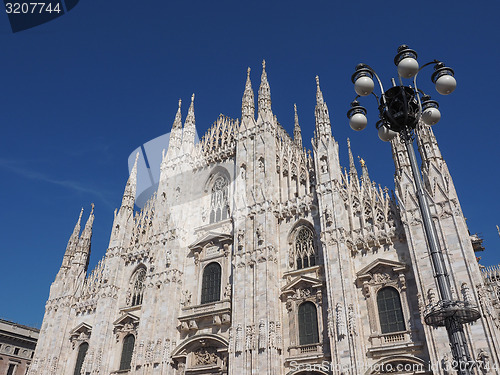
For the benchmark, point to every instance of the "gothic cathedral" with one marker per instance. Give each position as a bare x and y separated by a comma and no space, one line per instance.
258,256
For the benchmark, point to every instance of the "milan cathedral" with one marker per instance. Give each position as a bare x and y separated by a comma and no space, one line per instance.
258,256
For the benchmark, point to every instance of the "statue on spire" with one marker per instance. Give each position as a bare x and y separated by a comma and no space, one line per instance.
297,134
128,199
323,126
248,102
264,92
189,128
352,167
175,141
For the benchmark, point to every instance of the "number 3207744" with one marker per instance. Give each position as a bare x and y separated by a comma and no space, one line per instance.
24,8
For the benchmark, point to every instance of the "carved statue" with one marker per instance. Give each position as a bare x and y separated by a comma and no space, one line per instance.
262,334
340,318
227,291
466,293
483,361
239,339
186,298
446,365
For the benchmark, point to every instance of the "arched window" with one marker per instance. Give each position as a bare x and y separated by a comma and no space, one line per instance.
304,250
82,351
389,310
138,286
210,286
219,206
308,324
128,349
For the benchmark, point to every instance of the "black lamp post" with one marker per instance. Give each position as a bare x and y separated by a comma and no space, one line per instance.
401,111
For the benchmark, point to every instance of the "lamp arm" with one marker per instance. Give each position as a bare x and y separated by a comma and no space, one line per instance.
378,79
380,85
416,88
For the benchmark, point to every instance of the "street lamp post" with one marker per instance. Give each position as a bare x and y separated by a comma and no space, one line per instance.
401,111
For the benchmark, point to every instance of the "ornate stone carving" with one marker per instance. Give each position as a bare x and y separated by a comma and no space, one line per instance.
301,294
205,356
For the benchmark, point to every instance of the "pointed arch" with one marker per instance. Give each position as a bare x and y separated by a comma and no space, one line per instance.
303,250
217,185
137,286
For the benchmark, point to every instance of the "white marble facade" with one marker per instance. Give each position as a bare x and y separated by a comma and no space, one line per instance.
258,256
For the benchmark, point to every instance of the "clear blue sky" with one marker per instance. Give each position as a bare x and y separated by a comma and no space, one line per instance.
78,94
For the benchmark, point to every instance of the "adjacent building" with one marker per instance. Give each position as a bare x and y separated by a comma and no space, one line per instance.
17,347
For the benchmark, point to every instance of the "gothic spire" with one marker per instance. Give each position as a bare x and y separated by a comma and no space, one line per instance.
248,101
174,143
72,243
264,92
82,255
427,145
319,94
189,128
178,118
365,177
352,167
130,189
297,134
323,126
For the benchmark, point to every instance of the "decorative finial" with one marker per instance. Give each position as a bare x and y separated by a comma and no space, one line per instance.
317,81
264,64
81,213
180,102
361,161
192,98
295,108
248,72
92,210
